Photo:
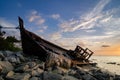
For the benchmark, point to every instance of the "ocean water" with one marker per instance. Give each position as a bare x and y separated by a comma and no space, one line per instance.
109,63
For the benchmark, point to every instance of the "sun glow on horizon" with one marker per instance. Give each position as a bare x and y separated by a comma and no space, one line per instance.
113,50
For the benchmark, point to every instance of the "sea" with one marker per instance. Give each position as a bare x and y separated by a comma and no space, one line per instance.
109,63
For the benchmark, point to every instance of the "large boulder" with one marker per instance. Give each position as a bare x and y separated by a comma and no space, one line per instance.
88,77
19,76
20,55
36,72
57,60
101,75
9,74
5,66
13,59
117,77
22,68
35,78
59,70
69,78
31,64
52,76
7,53
1,78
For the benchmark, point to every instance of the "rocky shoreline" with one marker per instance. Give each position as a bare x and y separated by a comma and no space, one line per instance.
19,66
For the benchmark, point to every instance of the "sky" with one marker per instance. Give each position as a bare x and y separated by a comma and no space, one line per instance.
93,24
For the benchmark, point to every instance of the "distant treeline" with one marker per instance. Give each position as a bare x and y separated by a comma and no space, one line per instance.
8,43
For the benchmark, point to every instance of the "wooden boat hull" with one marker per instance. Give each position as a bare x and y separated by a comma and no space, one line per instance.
35,45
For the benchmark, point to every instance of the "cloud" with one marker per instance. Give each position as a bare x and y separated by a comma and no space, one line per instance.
103,23
106,19
55,16
98,29
105,46
90,31
87,24
35,17
5,23
71,26
86,21
97,9
42,29
40,21
70,43
55,36
9,32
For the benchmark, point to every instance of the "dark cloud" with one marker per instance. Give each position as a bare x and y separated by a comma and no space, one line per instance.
105,46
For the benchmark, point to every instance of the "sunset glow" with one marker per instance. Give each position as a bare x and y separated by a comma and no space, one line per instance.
113,50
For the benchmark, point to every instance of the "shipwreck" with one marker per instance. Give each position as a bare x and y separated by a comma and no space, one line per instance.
49,52
35,45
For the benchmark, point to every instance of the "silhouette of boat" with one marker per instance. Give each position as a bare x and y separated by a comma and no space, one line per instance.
35,45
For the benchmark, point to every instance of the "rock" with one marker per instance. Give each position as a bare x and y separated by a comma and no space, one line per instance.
42,65
34,78
59,70
6,66
36,72
19,54
49,69
13,59
22,68
51,76
117,77
1,55
0,68
69,78
17,60
88,77
20,76
77,75
1,78
35,67
9,74
31,64
7,53
101,75
39,70
71,72
57,60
